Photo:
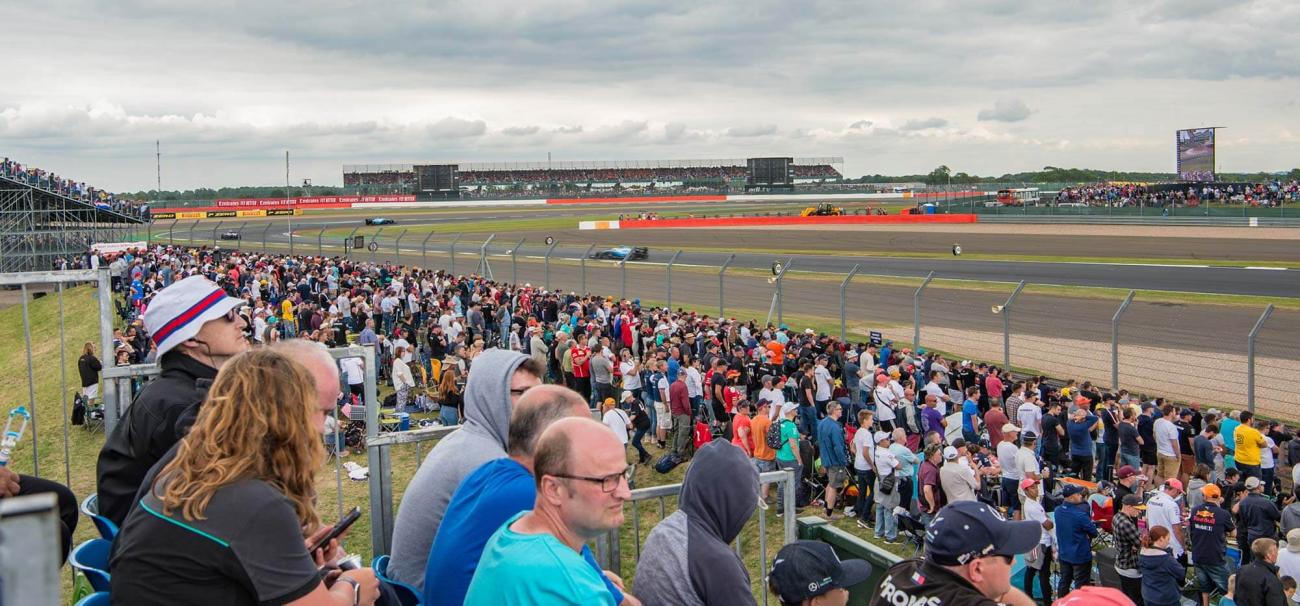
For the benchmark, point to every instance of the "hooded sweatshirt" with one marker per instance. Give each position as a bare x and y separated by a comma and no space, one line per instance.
687,560
481,438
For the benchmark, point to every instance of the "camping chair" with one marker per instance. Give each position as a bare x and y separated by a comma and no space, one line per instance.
90,508
91,559
913,530
95,599
406,594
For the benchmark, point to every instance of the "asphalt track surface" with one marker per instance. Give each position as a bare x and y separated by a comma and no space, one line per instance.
662,243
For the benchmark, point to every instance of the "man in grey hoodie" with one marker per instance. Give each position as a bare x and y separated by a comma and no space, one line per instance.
687,560
496,381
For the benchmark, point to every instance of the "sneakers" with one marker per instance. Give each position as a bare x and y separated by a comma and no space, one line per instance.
863,525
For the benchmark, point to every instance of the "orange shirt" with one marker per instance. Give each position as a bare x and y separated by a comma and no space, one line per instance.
758,434
738,422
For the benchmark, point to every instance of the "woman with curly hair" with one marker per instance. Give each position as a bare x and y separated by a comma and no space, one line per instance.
229,519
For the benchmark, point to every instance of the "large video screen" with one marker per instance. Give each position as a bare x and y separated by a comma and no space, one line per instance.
1196,154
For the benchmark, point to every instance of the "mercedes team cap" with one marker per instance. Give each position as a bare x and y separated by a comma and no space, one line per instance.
966,530
180,310
806,569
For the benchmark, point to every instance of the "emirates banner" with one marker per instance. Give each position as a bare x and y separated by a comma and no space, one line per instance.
309,200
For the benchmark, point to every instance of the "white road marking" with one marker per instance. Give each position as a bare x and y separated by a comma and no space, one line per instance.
1265,268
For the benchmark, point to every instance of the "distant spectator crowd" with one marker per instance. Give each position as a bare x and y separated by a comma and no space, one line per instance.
1269,194
43,179
474,178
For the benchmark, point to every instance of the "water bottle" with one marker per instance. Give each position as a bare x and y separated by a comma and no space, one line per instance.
13,434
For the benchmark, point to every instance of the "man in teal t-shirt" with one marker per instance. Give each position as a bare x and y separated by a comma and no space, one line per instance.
536,557
787,457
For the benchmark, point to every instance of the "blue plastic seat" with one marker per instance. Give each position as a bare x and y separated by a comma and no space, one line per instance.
91,559
99,598
90,508
406,594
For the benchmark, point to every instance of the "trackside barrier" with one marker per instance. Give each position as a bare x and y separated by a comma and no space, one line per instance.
609,550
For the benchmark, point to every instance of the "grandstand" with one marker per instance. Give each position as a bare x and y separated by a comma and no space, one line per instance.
46,219
401,178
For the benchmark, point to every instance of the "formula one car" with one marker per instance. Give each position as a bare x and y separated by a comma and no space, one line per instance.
379,221
229,235
619,253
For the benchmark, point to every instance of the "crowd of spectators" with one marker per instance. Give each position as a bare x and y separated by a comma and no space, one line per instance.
1269,194
43,179
475,178
895,438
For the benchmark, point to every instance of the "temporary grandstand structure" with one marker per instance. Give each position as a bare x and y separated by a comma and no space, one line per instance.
38,226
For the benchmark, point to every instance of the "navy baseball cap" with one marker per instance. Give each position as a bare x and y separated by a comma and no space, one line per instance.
807,569
966,530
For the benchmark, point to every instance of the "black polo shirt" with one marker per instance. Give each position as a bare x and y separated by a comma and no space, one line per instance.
920,583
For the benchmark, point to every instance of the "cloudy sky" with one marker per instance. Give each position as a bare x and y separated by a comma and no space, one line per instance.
984,86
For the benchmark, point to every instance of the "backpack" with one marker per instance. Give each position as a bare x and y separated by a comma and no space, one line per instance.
668,462
78,409
773,437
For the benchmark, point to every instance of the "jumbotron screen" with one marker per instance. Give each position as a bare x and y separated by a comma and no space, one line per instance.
1196,154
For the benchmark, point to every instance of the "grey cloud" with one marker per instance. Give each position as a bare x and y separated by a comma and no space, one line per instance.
520,131
616,133
567,130
861,124
913,125
1013,110
757,130
456,128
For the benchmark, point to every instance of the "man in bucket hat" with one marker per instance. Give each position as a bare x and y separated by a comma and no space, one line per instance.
195,327
969,550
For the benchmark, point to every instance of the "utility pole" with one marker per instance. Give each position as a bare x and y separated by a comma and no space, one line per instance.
287,199
157,147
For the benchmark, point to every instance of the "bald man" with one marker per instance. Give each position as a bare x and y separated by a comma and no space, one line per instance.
541,556
493,493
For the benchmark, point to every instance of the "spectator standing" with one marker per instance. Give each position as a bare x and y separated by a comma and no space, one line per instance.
1203,449
863,446
1128,545
1258,583
602,377
1081,446
886,403
536,557
1038,562
1187,457
1162,576
1011,476
887,488
968,557
788,456
687,558
1147,445
931,418
196,329
640,423
907,463
1074,533
402,379
764,456
957,477
742,429
835,460
1291,513
679,404
1288,558
1053,433
1167,453
617,421
499,379
1248,443
1109,452
1258,516
1209,525
1163,510
995,420
88,366
970,416
930,495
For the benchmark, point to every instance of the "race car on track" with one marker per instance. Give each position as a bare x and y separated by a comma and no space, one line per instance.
229,235
619,253
380,221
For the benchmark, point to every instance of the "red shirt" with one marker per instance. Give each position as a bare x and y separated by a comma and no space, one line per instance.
994,419
679,401
746,444
702,435
581,356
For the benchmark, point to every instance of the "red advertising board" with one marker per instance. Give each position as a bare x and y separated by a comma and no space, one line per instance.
310,200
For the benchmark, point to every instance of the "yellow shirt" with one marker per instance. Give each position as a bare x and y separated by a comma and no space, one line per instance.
1249,441
286,310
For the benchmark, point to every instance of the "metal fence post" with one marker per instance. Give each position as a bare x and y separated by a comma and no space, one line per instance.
374,244
722,293
1114,340
104,294
214,233
148,231
670,277
514,262
780,290
397,247
1250,357
320,242
289,231
171,233
622,266
583,263
193,227
381,493
546,261
916,311
484,269
453,252
264,232
1006,326
843,286
424,250
348,242
31,385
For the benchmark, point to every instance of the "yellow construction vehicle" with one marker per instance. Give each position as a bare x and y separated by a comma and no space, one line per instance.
822,210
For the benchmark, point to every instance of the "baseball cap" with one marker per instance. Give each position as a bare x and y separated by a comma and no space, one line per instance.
1091,595
1252,483
881,436
966,530
1132,500
762,402
788,407
807,569
627,395
1027,482
1126,471
1293,540
1069,489
1009,428
1028,436
1177,484
949,452
1211,491
180,311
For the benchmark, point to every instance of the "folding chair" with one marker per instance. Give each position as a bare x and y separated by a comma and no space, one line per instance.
99,598
406,594
90,508
913,530
91,559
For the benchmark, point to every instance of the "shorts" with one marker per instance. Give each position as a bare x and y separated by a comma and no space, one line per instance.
835,476
1148,457
1167,467
91,392
765,466
664,420
1211,578
1187,465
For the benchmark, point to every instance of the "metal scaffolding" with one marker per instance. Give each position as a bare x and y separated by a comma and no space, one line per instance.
38,228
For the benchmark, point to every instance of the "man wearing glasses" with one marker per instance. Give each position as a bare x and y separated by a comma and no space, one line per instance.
195,327
968,555
538,556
